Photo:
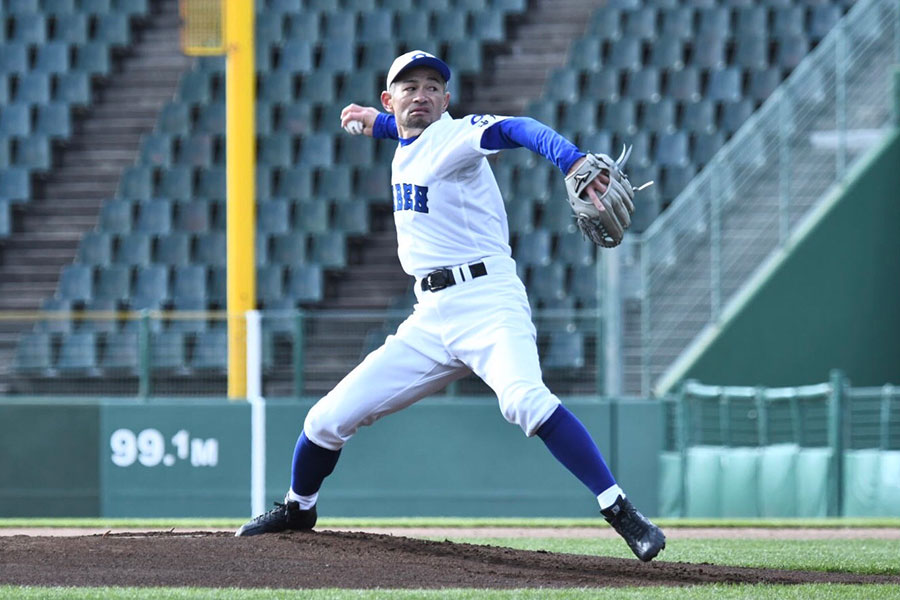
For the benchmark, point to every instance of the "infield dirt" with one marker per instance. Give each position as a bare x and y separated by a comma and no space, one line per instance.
325,559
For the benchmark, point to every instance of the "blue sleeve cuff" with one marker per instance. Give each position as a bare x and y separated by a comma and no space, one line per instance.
534,135
385,127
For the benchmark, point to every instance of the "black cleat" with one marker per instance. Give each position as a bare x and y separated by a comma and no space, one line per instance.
283,517
643,537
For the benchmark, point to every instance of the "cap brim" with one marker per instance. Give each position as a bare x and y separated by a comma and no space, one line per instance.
426,61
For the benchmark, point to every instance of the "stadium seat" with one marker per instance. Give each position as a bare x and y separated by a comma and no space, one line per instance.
33,88
640,23
735,114
329,249
672,150
133,248
822,19
318,87
303,25
136,183
113,29
74,89
189,282
95,7
76,283
337,55
113,282
547,283
115,216
54,121
73,29
56,316
176,183
52,58
168,351
15,184
562,85
28,28
620,117
211,183
317,150
33,153
708,50
465,56
705,146
95,249
194,88
724,85
155,149
677,23
305,284
790,49
196,150
5,219
14,58
488,26
789,20
174,119
625,54
585,54
533,248
173,249
572,248
296,56
699,116
121,352
151,282
311,216
579,116
288,248
93,58
659,117
643,85
273,216
154,217
34,353
667,53
210,249
752,51
78,354
583,286
269,283
352,216
763,83
565,350
192,216
276,150
751,19
210,351
15,120
603,85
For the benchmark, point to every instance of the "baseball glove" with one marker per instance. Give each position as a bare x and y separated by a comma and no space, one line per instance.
603,227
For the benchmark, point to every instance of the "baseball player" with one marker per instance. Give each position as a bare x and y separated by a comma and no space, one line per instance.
472,312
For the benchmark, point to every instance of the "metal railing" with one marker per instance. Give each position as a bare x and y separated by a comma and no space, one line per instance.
301,353
761,187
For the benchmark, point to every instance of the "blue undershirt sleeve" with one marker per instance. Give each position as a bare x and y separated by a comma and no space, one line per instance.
534,135
385,127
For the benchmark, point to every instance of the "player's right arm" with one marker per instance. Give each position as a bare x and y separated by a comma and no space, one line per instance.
375,123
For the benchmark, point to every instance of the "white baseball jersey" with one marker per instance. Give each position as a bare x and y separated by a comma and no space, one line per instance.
447,206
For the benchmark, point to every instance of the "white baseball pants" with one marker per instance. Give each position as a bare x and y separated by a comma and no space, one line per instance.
481,325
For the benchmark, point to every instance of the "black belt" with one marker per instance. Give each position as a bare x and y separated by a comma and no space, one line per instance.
443,278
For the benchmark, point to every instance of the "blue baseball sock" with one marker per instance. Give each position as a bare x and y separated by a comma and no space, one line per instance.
312,464
571,444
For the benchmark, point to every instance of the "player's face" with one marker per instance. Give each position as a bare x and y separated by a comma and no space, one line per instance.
417,98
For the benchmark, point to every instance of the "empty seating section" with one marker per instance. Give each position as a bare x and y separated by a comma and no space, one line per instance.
673,78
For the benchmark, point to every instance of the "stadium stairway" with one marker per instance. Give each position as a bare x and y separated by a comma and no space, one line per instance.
87,169
516,73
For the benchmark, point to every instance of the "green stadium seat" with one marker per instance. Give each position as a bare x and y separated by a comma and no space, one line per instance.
489,26
620,117
337,55
34,353
211,119
95,7
54,121
5,219
113,29
34,153
329,249
133,8
155,149
533,248
57,317
750,19
751,51
565,350
194,88
373,182
187,323
269,28
210,249
311,216
14,58
520,216
734,114
113,282
4,89
15,120
276,150
115,216
121,352
547,283
449,26
269,283
318,87
335,182
74,88
174,119
73,29
465,56
684,85
168,351
317,150
677,23
211,183
136,183
352,216
339,25
303,25
93,59
192,216
572,248
417,21
15,184
306,284
659,117
33,88
640,23
667,53
579,116
674,179
715,20
295,182
724,85
357,5
762,83
28,28
52,58
133,248
78,354
583,285
289,248
210,351
625,54
544,111
790,50
699,116
261,248
95,248
273,217
555,219
705,146
76,283
603,85
151,282
562,85
176,183
672,149
295,118
362,85
285,6
585,54
376,26
189,282
196,150
296,56
17,7
643,85
154,217
173,249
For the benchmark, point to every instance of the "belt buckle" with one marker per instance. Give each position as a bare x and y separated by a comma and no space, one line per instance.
438,280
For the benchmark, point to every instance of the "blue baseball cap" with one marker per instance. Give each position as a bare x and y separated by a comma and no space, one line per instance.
416,58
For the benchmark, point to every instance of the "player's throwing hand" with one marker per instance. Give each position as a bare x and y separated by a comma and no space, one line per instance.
356,119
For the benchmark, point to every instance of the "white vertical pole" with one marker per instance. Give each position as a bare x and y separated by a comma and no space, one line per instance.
257,413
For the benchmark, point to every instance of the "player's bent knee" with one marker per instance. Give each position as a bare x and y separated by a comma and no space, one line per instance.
324,430
527,405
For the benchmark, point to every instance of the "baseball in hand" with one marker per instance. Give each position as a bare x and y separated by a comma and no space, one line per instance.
354,127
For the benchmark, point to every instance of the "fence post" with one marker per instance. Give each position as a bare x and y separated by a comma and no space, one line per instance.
299,347
682,434
609,325
836,442
144,353
762,418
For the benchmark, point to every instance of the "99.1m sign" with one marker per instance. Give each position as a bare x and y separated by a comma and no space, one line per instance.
149,448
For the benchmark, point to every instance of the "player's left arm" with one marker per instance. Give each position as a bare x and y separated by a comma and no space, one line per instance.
516,132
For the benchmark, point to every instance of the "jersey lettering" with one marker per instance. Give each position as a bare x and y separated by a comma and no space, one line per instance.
408,196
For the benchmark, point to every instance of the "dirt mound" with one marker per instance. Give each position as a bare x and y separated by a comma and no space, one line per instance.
346,560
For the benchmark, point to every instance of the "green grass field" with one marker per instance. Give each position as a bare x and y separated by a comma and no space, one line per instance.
869,556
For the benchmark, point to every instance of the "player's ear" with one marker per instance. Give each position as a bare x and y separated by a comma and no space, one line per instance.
386,101
446,102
